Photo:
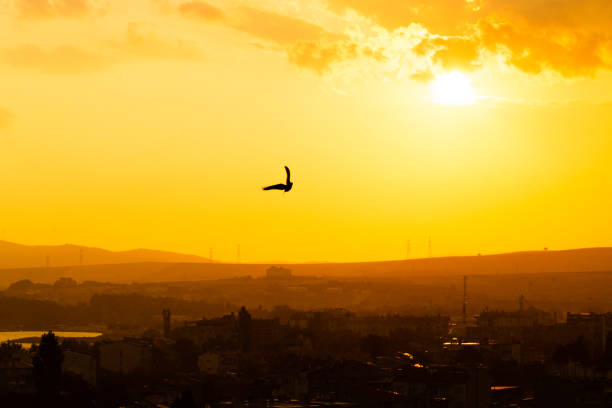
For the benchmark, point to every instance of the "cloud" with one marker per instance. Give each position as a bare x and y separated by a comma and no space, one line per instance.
278,28
201,11
142,41
423,76
319,56
582,55
444,17
573,38
43,9
65,59
452,52
139,42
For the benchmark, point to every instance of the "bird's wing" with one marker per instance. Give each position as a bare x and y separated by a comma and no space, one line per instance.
275,187
288,174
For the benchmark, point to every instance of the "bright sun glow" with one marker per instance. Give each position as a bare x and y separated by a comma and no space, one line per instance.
453,88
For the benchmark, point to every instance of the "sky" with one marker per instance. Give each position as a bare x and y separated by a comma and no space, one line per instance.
483,124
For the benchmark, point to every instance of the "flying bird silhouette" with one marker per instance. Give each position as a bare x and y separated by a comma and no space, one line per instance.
283,187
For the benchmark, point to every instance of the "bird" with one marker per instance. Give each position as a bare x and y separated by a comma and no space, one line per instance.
283,187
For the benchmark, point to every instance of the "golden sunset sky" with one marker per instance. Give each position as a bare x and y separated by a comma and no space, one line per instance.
485,124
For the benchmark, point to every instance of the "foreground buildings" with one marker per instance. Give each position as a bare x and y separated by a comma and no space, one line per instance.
523,358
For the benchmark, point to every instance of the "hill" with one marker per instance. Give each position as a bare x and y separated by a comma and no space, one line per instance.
25,256
178,268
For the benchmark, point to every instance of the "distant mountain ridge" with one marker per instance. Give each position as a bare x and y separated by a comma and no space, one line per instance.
139,265
35,256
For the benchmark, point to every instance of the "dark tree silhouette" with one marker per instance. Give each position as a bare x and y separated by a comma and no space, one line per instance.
8,350
187,353
373,345
48,368
184,401
245,330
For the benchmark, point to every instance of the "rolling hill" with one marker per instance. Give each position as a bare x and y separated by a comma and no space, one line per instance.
25,256
155,266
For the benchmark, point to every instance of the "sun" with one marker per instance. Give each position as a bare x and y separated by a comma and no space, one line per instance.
453,88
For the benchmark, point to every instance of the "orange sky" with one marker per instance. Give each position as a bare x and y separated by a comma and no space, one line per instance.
155,123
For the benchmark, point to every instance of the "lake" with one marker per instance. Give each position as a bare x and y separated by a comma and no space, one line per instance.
23,335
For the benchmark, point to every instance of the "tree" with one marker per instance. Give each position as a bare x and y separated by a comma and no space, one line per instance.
65,283
245,330
578,351
8,351
21,285
48,367
184,401
373,345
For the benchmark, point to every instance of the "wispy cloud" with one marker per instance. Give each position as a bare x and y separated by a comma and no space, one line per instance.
201,11
65,59
276,27
46,9
139,42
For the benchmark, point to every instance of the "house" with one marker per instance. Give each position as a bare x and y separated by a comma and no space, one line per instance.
127,356
81,364
16,373
209,363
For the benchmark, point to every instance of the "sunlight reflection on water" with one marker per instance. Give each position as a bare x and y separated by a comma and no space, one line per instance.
27,335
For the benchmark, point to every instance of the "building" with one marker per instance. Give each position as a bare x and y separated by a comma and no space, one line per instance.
127,356
456,387
81,364
217,363
166,316
274,272
508,327
265,332
591,327
223,329
16,373
209,363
